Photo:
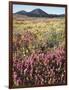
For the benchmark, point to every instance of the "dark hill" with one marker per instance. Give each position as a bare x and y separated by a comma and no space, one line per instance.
21,12
38,12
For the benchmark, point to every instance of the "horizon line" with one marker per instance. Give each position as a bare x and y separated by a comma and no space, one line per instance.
47,9
40,9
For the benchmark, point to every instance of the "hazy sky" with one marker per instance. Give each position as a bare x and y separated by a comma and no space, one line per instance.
48,9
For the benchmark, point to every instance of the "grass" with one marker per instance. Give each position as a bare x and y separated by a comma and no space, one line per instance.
38,40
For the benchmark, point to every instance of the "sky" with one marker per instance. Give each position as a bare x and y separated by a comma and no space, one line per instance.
47,9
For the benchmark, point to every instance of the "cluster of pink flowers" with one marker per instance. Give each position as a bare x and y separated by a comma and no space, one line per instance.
40,69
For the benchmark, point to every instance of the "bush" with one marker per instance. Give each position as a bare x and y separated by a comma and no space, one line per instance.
40,69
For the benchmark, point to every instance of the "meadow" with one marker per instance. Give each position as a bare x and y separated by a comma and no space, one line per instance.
39,53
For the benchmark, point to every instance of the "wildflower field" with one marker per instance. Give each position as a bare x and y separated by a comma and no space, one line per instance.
39,52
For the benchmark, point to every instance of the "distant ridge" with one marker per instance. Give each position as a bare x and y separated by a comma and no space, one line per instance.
21,12
38,13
